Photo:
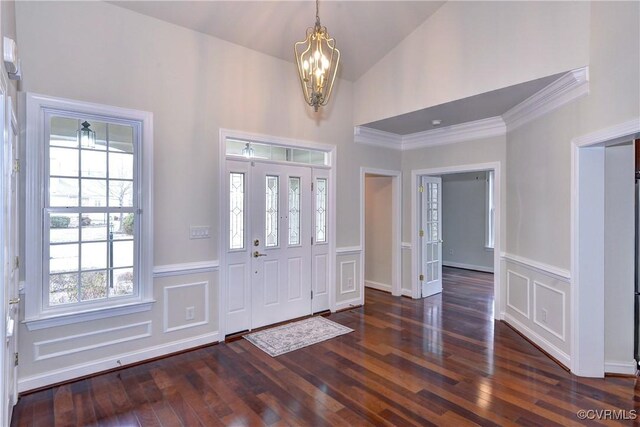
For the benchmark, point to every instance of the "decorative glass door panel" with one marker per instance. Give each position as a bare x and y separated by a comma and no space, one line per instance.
430,236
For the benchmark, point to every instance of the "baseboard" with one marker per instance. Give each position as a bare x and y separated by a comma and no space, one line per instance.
96,366
467,266
618,367
343,305
377,285
560,356
406,293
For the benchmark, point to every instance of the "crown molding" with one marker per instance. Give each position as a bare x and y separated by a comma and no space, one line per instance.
378,138
571,86
485,128
567,88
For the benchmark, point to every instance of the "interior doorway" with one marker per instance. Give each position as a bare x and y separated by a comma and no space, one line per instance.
426,226
602,261
380,207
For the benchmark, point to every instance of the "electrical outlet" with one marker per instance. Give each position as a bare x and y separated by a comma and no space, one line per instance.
190,313
450,251
199,232
544,315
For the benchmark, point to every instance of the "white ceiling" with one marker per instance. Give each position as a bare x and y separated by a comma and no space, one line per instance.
364,30
485,105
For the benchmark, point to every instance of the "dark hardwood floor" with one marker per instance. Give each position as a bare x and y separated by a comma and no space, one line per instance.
437,361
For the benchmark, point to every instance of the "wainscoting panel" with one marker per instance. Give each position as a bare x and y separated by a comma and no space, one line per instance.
72,344
549,309
537,304
186,306
518,292
347,277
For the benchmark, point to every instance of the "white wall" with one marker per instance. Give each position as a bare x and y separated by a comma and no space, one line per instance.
194,84
464,219
467,48
378,231
539,175
619,262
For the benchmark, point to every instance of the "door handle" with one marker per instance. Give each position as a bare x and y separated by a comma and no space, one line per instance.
14,301
256,254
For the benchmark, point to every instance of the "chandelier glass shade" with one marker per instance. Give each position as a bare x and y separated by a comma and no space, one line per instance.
317,59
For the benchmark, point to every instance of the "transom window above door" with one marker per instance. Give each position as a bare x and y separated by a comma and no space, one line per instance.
259,151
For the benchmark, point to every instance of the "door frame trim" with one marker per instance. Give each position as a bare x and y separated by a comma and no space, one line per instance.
225,134
396,227
497,268
587,248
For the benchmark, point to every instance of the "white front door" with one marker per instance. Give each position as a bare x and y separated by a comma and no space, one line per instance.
280,243
270,226
10,269
431,236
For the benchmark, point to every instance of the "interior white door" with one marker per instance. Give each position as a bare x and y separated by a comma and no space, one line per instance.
281,243
431,235
10,277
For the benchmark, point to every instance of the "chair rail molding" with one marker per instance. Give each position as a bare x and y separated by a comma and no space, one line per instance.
546,269
185,268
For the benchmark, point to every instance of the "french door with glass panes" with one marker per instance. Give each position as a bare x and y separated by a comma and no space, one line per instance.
431,236
270,267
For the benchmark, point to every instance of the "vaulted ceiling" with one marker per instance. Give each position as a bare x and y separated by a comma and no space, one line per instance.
364,30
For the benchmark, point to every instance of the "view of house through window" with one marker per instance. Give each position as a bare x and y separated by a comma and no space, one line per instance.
90,206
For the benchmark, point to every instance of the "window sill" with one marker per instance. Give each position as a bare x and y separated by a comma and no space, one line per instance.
51,321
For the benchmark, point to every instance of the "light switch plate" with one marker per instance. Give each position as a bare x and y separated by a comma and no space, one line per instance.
199,232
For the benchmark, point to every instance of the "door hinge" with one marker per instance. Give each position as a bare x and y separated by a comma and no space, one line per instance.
311,293
16,166
421,277
311,186
15,360
421,233
421,189
17,263
312,240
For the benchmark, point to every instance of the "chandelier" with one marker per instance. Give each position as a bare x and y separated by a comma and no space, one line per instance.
317,59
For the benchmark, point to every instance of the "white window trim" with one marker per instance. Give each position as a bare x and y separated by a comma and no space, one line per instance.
33,111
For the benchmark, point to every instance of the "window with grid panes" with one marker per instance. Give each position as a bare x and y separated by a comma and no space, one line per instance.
91,233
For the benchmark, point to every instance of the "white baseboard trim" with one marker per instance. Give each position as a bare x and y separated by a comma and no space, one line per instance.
554,351
406,293
96,366
620,367
185,268
355,302
377,285
549,270
467,266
